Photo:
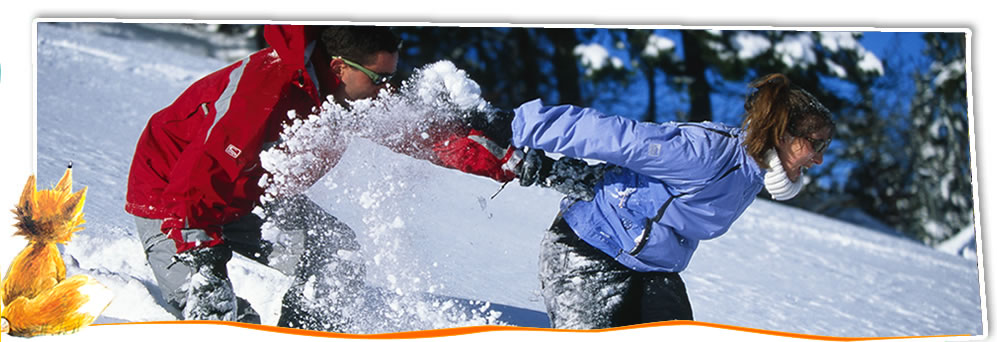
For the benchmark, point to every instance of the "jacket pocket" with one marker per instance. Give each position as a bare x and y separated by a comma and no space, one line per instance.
663,248
632,212
183,129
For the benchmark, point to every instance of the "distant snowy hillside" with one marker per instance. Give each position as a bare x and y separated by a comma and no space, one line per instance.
439,250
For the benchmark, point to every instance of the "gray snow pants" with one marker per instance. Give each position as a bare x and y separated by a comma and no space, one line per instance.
583,288
315,249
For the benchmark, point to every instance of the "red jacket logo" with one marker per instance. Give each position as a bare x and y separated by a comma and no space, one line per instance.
233,151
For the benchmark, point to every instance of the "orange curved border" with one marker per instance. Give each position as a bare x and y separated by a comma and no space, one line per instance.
481,329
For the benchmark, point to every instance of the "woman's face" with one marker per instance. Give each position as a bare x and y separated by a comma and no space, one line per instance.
798,153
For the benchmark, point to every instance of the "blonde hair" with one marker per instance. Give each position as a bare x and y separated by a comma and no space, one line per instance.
778,107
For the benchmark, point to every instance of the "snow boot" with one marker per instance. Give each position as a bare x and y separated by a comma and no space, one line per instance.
210,295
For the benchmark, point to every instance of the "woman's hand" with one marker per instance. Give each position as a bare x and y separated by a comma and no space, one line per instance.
572,177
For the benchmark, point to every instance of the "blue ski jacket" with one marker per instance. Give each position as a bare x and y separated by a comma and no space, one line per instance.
677,184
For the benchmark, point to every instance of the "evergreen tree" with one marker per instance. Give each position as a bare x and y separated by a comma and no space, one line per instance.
912,171
940,202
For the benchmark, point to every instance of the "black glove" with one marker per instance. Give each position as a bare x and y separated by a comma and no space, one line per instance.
496,124
208,260
244,236
210,295
572,177
534,166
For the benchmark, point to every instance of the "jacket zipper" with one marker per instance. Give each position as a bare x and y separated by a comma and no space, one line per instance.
661,212
646,236
714,130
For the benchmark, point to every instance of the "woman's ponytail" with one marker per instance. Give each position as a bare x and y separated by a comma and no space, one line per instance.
766,115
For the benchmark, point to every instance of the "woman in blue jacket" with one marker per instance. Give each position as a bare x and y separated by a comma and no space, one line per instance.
614,260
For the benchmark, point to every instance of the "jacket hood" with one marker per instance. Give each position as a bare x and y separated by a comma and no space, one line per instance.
290,41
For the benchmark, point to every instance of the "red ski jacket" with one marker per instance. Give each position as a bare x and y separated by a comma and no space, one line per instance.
197,163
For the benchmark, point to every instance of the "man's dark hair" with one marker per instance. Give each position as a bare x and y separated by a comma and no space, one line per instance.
359,43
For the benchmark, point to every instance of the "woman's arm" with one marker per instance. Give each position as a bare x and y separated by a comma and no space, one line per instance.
657,150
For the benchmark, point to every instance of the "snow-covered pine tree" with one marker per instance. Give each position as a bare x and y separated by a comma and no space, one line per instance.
940,194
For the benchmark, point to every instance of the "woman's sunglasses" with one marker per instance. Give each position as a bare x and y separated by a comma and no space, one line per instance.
819,145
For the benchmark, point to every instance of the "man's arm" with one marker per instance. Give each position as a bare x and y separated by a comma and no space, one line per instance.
451,143
214,179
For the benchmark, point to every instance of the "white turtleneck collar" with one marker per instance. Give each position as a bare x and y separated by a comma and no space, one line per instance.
776,181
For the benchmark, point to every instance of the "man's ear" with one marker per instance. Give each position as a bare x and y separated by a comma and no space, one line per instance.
336,66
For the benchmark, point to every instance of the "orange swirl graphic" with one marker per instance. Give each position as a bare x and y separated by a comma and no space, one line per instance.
482,329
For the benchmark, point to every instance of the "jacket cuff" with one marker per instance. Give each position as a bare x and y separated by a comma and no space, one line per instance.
478,155
191,238
519,137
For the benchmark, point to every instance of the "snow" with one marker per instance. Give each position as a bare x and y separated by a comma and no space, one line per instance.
935,229
749,45
836,70
437,92
656,45
722,52
948,71
100,296
439,251
870,63
835,41
945,184
459,89
962,243
594,57
94,52
796,50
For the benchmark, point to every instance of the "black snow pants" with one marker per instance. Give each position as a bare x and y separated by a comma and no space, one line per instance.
583,288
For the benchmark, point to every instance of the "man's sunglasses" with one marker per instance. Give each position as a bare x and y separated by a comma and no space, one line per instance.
377,79
819,145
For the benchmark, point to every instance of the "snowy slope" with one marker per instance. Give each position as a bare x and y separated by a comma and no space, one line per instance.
439,251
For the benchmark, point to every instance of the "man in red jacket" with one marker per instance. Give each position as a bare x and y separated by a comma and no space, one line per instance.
195,176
